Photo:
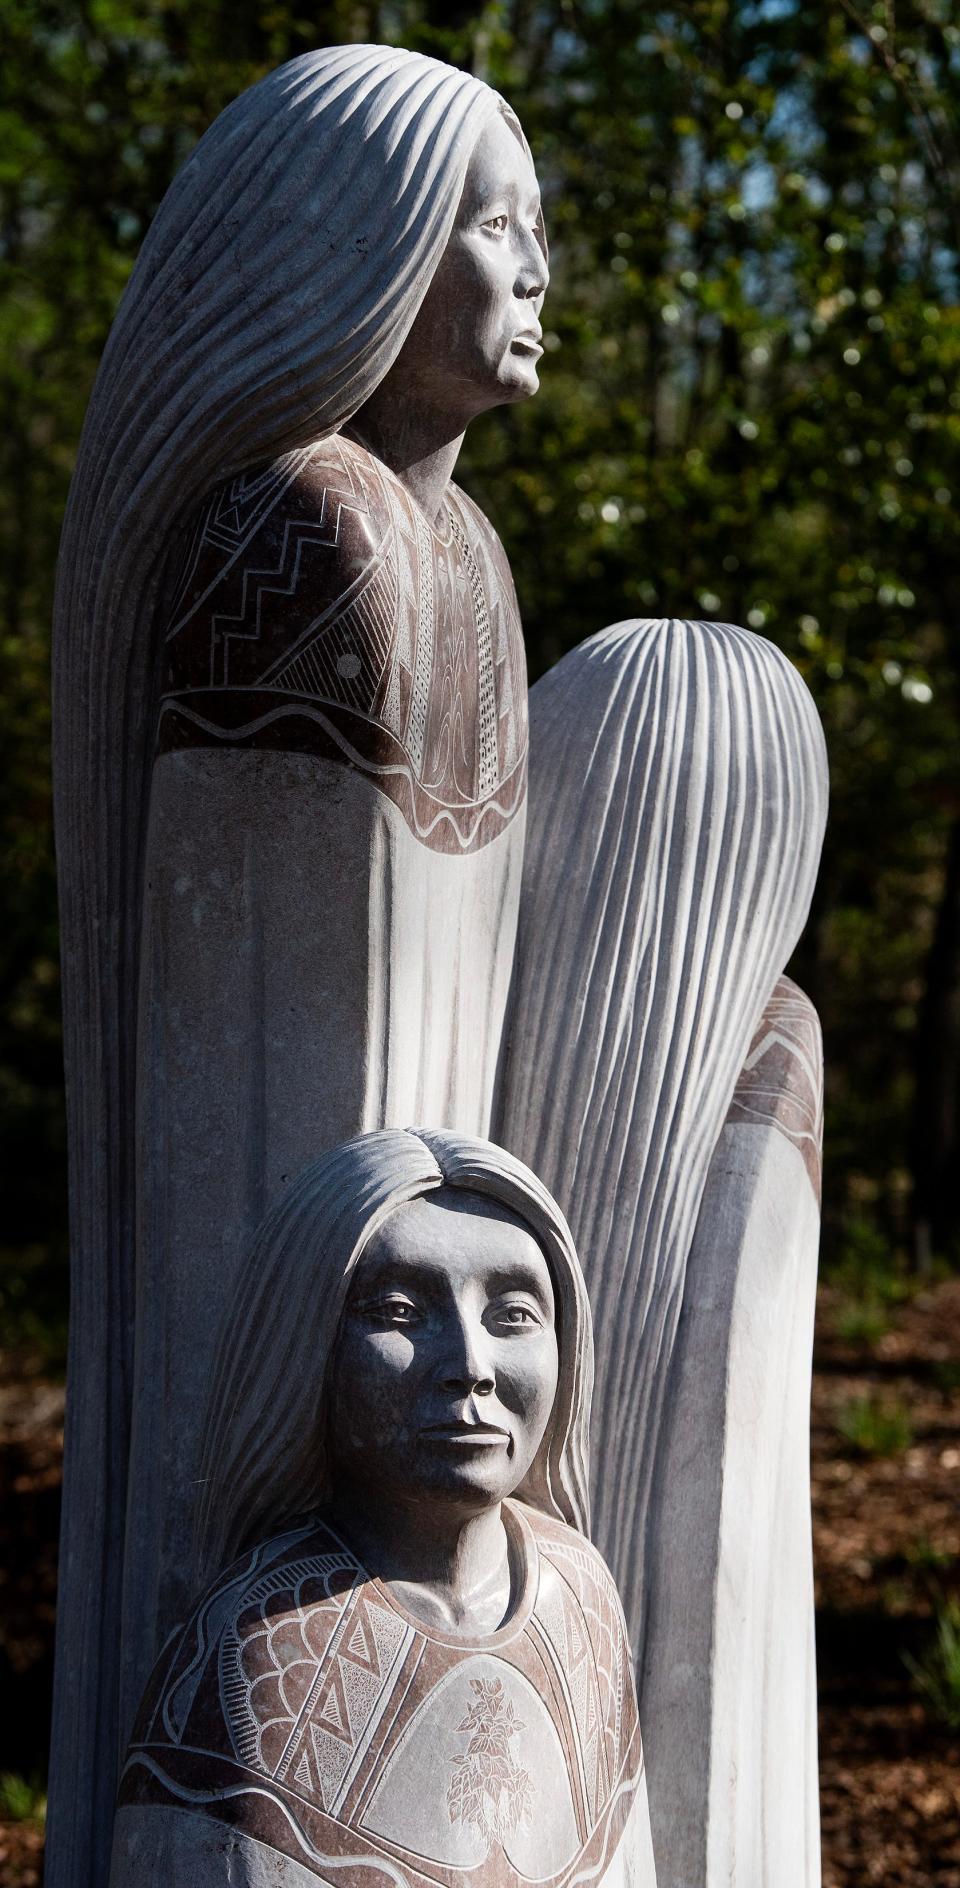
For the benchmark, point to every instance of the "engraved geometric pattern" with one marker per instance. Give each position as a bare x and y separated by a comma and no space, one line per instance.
586,1626
317,1690
318,610
302,1675
781,1082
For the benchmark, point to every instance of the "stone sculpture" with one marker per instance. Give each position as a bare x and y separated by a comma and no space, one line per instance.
412,1672
289,875
677,804
291,739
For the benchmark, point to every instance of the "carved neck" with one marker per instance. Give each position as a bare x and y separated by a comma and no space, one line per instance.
415,443
454,1574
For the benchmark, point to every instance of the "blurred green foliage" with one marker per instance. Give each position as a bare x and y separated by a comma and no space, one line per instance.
936,1673
22,1799
750,410
875,1427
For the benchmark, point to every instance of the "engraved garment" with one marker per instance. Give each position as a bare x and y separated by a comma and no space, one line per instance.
304,1707
318,610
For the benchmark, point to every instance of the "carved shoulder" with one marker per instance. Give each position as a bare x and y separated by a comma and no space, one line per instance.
301,1576
272,553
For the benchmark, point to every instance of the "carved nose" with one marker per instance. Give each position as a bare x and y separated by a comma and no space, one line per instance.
468,1382
467,1362
534,276
537,284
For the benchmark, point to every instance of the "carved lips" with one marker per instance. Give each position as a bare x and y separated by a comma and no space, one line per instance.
475,1435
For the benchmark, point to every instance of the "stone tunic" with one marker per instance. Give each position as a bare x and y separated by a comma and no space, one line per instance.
305,1710
332,877
318,610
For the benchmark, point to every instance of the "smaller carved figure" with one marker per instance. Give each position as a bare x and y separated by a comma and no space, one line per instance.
414,1667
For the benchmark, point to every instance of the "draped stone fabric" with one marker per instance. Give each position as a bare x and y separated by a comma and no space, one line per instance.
332,868
304,1708
677,805
729,1669
318,610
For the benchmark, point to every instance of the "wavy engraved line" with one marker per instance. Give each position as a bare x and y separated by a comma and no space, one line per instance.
229,1790
590,1874
228,736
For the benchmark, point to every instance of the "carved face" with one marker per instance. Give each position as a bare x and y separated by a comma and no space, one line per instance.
476,340
446,1362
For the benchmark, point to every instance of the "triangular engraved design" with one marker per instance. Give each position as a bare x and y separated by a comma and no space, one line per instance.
388,1631
333,1712
390,712
302,1774
579,1693
591,1765
576,1646
331,1757
360,1648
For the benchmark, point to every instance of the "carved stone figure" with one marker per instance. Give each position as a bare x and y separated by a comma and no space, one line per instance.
292,750
423,1667
677,805
291,764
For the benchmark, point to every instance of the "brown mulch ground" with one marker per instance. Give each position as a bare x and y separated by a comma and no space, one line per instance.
887,1545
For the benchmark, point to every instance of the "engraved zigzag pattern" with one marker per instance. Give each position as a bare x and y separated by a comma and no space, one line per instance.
345,661
231,519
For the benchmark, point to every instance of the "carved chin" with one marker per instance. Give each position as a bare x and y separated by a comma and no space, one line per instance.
518,377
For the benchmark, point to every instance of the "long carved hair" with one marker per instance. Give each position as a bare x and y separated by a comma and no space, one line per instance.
275,288
265,1459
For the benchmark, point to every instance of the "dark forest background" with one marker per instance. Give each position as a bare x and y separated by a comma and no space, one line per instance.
750,410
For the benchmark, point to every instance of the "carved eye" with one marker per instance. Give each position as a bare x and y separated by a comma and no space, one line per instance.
516,1317
498,224
391,1311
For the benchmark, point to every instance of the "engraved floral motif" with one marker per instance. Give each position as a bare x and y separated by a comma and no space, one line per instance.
490,1789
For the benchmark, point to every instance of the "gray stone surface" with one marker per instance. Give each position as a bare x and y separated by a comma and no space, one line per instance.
310,970
677,800
729,1675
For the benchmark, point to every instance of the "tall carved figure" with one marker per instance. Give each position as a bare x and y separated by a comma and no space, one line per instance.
291,763
291,759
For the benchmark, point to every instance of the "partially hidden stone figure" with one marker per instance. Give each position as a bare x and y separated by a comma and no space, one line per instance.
413,1660
320,875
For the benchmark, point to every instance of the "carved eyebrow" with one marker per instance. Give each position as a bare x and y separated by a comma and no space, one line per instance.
520,1276
378,1274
